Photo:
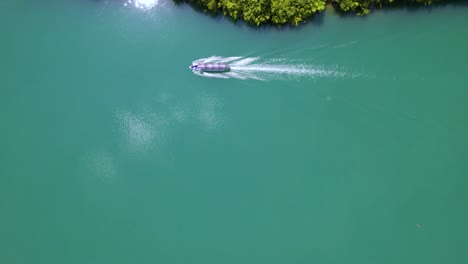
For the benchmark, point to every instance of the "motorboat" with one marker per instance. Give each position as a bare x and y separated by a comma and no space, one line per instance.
210,67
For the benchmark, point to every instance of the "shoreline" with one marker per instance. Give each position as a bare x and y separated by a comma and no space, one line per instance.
294,13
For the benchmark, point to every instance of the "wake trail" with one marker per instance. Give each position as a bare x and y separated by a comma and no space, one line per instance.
256,68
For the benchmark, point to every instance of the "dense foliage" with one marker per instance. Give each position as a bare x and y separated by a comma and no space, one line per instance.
281,12
362,7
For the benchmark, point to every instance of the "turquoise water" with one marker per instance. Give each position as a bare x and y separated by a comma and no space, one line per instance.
342,141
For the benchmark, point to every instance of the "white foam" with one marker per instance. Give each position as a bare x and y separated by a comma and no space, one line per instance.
244,68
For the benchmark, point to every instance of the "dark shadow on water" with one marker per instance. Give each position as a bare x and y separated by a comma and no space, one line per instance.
399,5
198,8
413,7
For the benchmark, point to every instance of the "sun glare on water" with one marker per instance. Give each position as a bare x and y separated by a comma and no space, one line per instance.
143,4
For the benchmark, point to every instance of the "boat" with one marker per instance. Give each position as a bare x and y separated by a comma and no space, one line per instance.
210,67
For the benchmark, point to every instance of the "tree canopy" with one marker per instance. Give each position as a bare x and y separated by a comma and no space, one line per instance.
281,12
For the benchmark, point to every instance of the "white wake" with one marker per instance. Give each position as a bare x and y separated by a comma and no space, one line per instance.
245,68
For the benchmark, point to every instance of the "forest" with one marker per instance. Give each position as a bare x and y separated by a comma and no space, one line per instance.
293,12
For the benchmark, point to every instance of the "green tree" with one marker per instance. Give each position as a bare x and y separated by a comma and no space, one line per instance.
280,12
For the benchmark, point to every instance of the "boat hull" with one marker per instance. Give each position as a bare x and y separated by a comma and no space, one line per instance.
212,67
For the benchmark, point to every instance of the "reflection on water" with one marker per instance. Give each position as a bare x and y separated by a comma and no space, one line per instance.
148,129
137,133
210,107
143,4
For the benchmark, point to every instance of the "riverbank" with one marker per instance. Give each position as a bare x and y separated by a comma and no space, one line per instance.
283,12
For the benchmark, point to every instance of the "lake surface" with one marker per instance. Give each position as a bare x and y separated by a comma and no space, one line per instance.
342,141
